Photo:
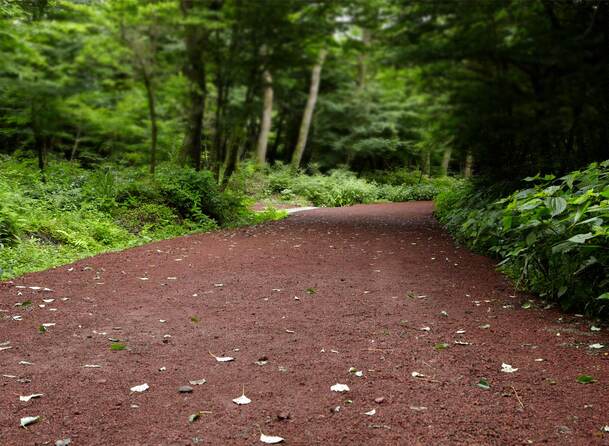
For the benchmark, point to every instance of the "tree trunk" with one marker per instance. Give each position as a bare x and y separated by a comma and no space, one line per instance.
153,120
75,146
267,112
469,165
308,112
426,161
446,160
194,70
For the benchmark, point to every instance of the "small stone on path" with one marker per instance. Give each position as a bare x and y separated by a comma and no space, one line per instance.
185,389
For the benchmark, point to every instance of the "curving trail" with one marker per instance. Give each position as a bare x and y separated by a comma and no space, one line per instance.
370,267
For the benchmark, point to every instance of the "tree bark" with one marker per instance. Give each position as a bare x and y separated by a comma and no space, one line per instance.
75,146
469,165
308,112
194,70
446,160
267,113
153,120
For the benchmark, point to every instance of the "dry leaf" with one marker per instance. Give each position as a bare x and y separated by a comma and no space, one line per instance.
26,421
140,388
25,399
270,439
339,388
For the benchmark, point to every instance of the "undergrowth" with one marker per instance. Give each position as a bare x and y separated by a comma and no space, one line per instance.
551,237
72,213
339,188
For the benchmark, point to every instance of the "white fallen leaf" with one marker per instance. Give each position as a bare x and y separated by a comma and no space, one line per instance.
443,313
162,321
92,366
485,326
594,328
143,278
371,412
25,399
222,358
296,298
290,331
242,400
417,375
218,285
359,373
49,324
339,388
506,368
270,439
460,331
140,388
5,348
9,376
26,421
596,346
172,278
425,329
162,369
462,343
418,408
25,363
48,301
539,360
197,382
17,318
605,428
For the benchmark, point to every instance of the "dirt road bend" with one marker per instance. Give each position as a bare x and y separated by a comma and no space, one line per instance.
431,341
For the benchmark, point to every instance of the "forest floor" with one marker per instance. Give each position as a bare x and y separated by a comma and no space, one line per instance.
297,303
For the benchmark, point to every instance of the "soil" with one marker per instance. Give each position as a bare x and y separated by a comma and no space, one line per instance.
376,276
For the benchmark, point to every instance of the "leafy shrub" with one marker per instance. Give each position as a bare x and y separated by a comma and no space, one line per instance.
552,237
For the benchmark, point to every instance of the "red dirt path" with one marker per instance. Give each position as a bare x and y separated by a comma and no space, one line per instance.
367,265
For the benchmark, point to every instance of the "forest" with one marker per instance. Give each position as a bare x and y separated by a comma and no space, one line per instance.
126,121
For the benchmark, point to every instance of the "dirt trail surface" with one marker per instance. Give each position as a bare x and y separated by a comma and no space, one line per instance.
386,287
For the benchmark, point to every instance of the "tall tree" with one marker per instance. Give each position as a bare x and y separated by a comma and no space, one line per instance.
307,116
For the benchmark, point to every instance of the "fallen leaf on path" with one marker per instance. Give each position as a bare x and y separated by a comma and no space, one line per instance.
195,416
290,331
443,313
462,343
339,388
506,368
585,379
485,326
26,421
441,346
222,358
370,412
270,439
418,408
596,346
484,384
197,382
594,328
140,388
25,399
92,366
242,400
425,329
460,331
25,363
5,348
417,375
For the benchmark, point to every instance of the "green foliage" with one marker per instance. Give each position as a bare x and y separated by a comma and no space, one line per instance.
74,213
552,237
339,188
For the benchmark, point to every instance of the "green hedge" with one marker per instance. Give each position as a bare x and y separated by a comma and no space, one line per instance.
552,237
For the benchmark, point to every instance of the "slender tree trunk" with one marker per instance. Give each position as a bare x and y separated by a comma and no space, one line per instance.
446,160
153,120
469,165
194,70
426,161
272,153
267,112
75,146
362,61
308,112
